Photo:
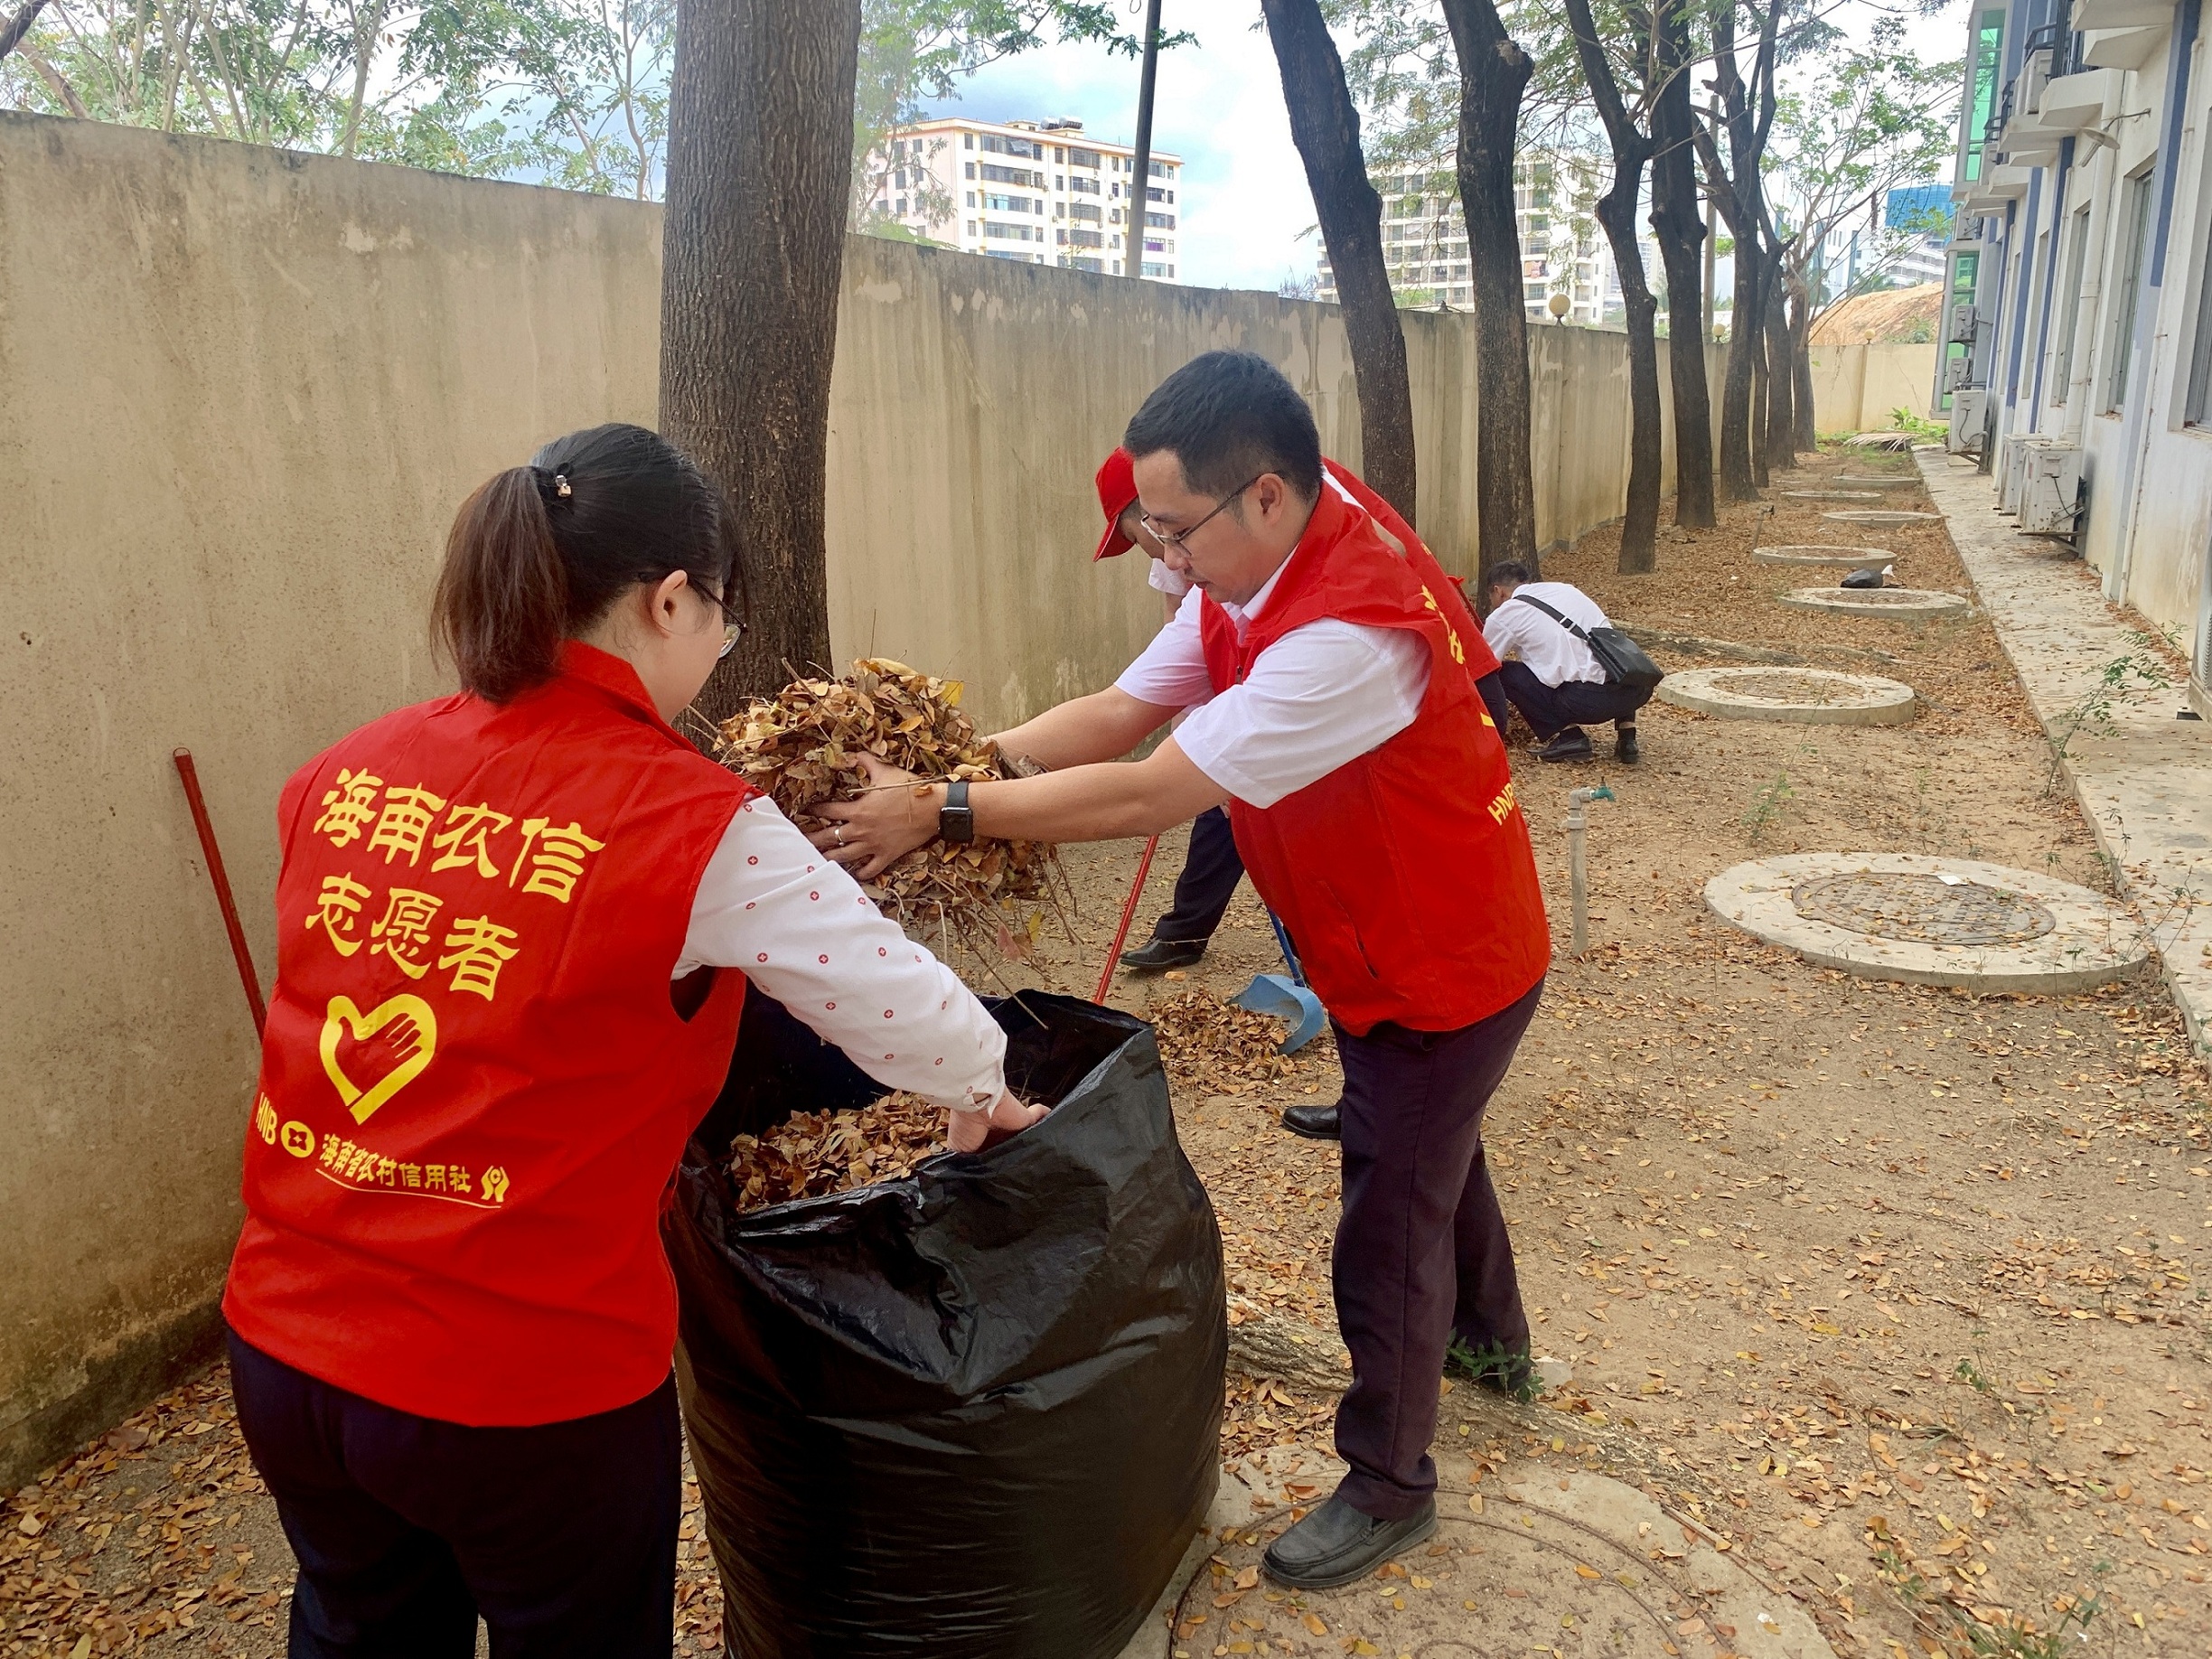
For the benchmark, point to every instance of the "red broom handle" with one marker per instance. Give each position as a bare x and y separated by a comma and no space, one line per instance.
216,874
1129,915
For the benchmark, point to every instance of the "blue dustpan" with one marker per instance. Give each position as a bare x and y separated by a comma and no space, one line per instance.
1287,999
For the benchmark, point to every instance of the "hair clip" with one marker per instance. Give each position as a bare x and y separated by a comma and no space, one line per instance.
560,486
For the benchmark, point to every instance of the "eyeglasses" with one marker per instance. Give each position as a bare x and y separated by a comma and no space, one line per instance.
734,623
1178,539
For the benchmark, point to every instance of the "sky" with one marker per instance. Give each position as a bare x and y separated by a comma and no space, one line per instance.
1248,215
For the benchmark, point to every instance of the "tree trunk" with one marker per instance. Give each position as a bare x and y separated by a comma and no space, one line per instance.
1680,230
1494,72
760,151
1632,150
1781,373
14,29
1325,125
1801,364
1737,480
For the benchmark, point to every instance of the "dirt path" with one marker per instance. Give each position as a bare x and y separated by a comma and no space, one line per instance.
1894,1288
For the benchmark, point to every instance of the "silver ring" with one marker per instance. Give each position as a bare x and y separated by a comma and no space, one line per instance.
840,835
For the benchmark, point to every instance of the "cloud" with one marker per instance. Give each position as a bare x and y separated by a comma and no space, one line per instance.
1218,104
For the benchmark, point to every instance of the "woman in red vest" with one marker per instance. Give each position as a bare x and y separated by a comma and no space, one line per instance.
515,926
1326,669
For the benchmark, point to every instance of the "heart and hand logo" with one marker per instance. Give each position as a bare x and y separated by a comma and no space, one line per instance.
391,1043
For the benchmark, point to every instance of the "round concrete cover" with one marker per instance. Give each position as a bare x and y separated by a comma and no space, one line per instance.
1546,1564
1906,602
1832,495
1929,921
1820,553
1801,696
1882,518
1860,481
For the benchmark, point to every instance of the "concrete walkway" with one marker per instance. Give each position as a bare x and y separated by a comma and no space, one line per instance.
2143,775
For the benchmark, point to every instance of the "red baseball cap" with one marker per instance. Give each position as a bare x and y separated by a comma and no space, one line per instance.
1117,494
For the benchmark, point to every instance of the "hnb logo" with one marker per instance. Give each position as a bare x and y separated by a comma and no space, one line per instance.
1502,808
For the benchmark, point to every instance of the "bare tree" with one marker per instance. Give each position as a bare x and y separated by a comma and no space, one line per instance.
1626,130
1494,72
760,158
1325,125
1680,230
1748,112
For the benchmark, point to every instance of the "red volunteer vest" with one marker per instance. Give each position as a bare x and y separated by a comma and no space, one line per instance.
1446,587
474,1085
1405,875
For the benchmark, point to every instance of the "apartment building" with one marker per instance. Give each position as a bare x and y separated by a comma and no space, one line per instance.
1043,192
2077,354
1563,250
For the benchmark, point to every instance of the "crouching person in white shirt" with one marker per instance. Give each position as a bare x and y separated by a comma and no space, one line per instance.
1556,682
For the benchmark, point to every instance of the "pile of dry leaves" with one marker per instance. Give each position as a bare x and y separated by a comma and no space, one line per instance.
1206,1042
811,1153
803,747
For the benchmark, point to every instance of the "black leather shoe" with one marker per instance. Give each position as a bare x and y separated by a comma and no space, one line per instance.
1314,1122
1337,1544
1571,744
1155,954
1624,749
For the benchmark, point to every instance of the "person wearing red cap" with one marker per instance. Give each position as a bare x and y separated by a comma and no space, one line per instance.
1325,667
1212,866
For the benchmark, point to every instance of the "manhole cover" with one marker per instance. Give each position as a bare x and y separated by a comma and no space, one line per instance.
1786,687
1883,519
1820,553
1906,602
1928,909
1926,921
1812,696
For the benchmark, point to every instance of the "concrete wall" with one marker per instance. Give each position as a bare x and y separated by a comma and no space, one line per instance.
1856,387
241,393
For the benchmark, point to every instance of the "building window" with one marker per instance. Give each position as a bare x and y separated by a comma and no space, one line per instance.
2198,410
1082,158
2134,226
1013,175
1160,221
2068,307
972,170
1086,239
967,142
1090,210
1087,187
1157,271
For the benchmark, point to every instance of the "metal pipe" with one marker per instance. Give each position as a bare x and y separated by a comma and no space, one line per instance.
1133,228
1578,864
217,875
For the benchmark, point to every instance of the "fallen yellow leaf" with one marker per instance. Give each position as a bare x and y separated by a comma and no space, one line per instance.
1313,1624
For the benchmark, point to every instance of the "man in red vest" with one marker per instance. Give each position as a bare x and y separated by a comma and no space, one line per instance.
1325,670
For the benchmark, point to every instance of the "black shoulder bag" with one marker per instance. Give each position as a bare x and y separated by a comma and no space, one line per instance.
1622,658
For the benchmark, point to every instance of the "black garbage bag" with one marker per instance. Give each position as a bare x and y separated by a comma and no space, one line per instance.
972,1414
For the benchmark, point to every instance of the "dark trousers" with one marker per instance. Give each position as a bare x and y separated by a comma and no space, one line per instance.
1421,1252
1211,871
1550,709
562,1536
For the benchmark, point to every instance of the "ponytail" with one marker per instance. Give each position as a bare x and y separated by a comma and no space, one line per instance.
539,553
502,605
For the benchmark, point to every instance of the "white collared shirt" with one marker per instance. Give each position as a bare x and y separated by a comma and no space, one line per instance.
1552,653
1324,694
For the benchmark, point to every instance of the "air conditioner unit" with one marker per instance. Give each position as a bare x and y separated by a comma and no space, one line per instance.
1957,371
1962,328
2034,76
2013,452
2050,488
1969,413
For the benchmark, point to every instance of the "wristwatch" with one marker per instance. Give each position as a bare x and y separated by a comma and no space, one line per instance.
956,817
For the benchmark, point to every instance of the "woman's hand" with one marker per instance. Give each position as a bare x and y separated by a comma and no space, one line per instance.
967,1131
867,833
